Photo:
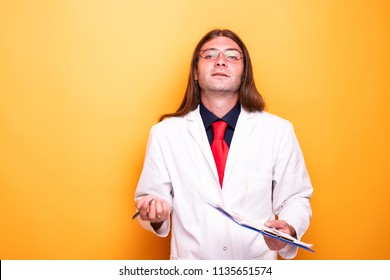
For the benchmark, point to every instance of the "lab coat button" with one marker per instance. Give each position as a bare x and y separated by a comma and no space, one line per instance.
225,248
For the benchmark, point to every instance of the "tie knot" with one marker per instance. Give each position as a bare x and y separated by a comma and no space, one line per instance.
219,128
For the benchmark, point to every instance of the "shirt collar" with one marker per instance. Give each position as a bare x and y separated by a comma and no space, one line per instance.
231,117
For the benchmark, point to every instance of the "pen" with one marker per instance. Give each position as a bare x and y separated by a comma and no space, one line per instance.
137,213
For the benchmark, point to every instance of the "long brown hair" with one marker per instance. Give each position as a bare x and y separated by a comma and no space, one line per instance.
250,98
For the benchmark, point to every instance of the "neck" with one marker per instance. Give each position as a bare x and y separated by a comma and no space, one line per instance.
219,104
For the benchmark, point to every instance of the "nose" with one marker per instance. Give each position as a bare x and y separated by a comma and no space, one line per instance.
221,60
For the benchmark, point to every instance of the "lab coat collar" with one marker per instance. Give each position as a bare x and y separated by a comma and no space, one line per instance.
241,135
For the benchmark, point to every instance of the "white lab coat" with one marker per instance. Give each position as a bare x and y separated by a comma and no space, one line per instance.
265,176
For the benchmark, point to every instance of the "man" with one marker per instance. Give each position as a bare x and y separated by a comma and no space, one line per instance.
262,177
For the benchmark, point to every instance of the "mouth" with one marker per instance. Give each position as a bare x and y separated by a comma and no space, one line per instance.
220,74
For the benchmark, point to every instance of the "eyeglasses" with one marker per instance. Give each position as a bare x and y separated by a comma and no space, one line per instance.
229,54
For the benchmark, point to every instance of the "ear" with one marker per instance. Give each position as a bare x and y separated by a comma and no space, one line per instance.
196,76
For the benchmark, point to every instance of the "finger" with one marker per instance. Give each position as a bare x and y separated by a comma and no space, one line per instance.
283,226
159,209
278,224
166,210
139,202
271,223
152,210
142,202
145,208
274,244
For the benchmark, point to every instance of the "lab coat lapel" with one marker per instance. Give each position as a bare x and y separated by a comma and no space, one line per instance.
197,130
241,135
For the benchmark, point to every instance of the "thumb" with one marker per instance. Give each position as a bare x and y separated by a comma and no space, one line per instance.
268,224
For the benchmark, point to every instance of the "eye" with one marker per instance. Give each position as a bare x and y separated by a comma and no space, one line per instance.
232,55
209,54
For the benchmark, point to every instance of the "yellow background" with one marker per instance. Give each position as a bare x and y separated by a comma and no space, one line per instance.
82,82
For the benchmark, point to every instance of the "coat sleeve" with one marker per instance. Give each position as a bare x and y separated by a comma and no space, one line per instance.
292,187
155,179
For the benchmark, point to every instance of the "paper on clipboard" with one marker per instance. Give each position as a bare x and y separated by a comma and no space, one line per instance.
264,230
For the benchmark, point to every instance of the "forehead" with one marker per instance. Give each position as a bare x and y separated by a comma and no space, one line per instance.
221,43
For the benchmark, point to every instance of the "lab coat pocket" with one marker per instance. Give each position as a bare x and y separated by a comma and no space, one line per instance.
255,197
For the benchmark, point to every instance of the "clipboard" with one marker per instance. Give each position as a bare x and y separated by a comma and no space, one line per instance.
264,230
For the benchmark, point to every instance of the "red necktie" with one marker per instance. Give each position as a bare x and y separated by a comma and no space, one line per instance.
219,148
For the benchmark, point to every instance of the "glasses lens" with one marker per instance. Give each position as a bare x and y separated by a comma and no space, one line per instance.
209,54
232,55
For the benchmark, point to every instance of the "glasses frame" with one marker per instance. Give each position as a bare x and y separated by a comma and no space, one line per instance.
223,52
